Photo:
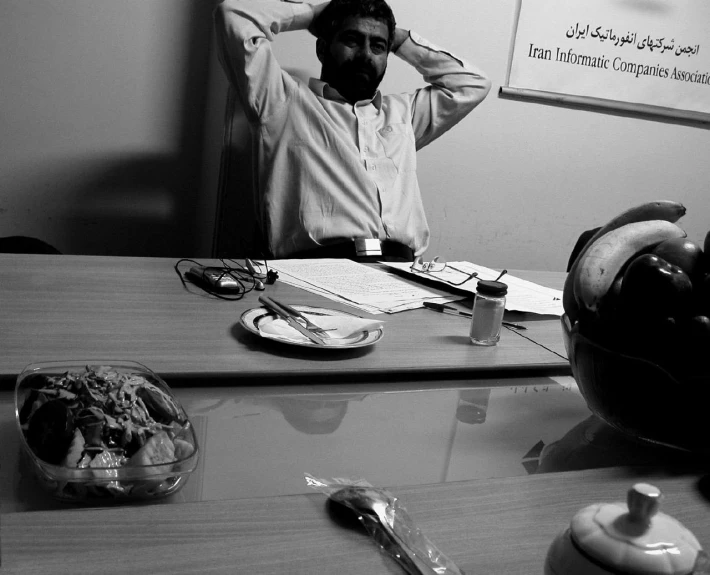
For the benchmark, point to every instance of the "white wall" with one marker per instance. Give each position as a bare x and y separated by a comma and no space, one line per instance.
111,132
515,183
103,114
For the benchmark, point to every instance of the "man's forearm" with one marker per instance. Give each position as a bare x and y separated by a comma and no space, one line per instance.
455,88
439,66
244,32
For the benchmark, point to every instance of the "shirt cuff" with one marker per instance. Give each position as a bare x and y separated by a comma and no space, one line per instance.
302,15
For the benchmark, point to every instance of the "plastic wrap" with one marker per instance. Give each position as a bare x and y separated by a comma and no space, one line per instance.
389,524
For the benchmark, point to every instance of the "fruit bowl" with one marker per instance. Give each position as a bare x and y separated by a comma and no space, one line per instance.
637,396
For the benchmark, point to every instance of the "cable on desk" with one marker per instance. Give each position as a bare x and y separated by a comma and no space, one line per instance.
244,277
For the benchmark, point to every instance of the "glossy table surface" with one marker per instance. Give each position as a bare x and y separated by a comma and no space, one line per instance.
89,307
259,442
490,472
497,527
491,450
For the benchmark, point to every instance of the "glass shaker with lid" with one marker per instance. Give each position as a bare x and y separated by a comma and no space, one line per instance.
488,309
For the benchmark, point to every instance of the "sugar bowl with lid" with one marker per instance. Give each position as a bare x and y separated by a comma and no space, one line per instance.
630,539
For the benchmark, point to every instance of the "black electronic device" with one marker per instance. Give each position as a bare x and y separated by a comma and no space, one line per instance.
215,279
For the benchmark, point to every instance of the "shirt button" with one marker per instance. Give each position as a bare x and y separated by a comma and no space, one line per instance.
388,129
367,149
373,168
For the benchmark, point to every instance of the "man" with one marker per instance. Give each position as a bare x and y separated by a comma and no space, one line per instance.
337,159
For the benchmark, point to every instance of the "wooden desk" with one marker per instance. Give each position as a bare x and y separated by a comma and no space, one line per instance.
79,307
487,526
59,307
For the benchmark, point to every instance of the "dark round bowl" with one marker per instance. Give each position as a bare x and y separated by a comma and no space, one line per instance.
638,397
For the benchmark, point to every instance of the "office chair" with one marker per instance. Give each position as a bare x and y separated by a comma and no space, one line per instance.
26,245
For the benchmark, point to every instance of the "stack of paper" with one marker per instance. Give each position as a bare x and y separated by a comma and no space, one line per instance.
522,295
365,287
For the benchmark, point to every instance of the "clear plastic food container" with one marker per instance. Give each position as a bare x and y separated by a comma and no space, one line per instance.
103,431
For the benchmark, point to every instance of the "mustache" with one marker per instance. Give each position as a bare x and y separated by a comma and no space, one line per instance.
356,66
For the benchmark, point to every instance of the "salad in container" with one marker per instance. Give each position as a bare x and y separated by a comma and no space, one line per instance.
108,430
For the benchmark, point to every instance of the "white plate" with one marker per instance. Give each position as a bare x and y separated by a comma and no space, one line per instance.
256,319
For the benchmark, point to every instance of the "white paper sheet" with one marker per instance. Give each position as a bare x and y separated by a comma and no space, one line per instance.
370,289
522,295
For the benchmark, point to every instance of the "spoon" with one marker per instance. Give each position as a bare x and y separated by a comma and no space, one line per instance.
415,553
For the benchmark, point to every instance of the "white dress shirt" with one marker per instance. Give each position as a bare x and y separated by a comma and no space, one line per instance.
327,170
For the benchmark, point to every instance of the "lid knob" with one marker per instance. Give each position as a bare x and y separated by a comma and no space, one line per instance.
644,501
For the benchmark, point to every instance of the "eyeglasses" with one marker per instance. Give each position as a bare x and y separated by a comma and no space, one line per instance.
440,270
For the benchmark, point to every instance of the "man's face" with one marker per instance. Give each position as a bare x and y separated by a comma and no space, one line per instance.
355,61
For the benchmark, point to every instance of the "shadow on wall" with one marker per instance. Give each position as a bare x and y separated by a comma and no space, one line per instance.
132,204
129,205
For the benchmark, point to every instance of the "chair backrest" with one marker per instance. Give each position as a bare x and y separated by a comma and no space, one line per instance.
237,233
26,245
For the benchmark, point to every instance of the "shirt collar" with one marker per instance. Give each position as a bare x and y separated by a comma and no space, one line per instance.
325,90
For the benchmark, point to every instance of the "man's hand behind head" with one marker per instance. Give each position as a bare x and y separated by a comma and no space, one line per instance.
317,10
330,16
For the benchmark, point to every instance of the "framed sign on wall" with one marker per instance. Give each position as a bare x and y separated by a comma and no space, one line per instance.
646,56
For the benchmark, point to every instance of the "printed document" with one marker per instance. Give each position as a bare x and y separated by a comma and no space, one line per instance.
368,288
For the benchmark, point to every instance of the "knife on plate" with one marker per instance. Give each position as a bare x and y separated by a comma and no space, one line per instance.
289,319
293,312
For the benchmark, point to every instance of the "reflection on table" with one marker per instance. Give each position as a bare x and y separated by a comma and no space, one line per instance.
258,442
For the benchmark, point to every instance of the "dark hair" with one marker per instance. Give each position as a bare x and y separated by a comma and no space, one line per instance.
334,14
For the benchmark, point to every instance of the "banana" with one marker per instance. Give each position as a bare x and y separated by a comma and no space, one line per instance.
609,254
667,210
